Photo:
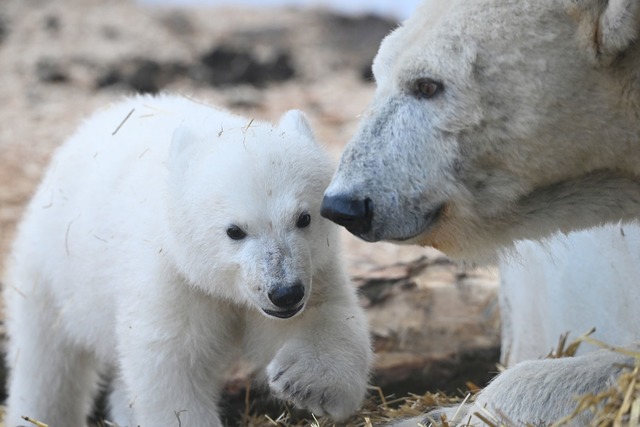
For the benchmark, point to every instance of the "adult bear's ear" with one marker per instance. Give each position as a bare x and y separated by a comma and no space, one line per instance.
618,26
297,120
183,143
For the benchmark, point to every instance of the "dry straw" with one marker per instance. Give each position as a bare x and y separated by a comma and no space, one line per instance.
617,407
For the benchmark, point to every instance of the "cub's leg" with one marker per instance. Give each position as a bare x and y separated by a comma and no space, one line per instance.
175,345
50,378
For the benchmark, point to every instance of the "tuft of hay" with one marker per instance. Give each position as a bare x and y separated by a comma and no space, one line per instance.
564,350
377,410
35,422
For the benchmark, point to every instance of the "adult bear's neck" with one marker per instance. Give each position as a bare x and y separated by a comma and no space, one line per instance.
602,196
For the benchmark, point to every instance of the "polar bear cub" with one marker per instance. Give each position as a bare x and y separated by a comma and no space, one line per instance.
166,239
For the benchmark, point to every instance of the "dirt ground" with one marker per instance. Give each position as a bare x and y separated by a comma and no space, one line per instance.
434,322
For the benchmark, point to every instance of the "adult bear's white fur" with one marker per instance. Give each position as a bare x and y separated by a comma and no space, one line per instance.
123,262
587,279
533,128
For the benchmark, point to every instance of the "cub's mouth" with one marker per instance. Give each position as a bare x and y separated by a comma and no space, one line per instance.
284,314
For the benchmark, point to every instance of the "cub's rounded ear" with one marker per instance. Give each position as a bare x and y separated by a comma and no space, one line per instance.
619,26
296,120
183,142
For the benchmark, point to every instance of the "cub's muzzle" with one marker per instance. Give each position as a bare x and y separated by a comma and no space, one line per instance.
286,298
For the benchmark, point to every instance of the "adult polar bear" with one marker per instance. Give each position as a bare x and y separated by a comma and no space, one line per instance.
495,121
165,247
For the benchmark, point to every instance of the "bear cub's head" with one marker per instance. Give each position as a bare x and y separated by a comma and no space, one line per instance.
243,208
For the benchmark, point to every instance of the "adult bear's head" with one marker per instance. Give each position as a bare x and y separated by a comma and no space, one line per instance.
495,120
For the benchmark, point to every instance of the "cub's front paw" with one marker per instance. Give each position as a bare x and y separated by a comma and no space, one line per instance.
326,383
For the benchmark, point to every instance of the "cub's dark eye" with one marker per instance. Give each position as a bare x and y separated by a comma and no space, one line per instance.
303,220
426,88
236,233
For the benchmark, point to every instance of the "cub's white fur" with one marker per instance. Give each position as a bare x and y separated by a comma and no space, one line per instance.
123,262
530,126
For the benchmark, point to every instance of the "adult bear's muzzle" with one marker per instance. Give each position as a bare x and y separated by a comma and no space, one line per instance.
354,214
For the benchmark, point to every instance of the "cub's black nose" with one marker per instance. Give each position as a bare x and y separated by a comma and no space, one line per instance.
287,296
353,214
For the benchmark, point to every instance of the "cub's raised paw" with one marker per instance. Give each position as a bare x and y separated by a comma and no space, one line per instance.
324,382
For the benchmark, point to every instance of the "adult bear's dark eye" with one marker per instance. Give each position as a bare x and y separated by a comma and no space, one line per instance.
303,220
427,88
236,233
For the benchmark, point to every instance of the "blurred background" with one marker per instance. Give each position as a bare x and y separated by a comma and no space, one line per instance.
399,10
435,323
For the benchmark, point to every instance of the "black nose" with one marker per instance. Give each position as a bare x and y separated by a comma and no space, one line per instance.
353,214
287,296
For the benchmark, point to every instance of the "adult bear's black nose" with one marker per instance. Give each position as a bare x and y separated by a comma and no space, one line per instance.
353,214
287,296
